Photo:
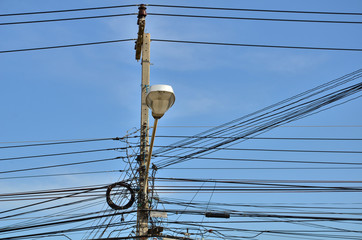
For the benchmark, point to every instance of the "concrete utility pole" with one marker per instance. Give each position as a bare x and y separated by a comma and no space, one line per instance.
143,49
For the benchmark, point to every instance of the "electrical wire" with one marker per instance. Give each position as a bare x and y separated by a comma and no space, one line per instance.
260,168
67,19
61,174
61,165
187,42
67,46
186,7
254,45
265,138
293,108
61,154
60,142
268,150
279,126
253,10
68,10
255,19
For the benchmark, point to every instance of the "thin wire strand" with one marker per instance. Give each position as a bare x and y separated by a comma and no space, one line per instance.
254,10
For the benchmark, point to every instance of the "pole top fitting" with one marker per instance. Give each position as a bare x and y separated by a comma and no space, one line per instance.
141,13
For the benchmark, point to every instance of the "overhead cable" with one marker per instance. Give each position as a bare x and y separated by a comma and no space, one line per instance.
255,19
267,150
67,46
185,7
182,15
187,42
254,10
61,154
266,138
61,174
61,165
286,111
67,10
59,142
67,19
256,45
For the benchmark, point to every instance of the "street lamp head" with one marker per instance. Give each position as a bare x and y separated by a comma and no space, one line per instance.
159,99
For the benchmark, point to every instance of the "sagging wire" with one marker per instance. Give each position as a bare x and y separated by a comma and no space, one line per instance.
208,203
128,172
130,157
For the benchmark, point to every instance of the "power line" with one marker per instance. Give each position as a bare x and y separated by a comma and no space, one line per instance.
59,222
62,174
61,165
253,10
186,7
260,168
60,142
286,111
66,46
67,19
69,140
258,182
263,160
184,41
67,10
255,19
57,190
282,126
256,45
263,149
61,154
182,15
265,138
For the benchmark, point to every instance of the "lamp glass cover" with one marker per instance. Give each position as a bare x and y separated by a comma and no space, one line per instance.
159,99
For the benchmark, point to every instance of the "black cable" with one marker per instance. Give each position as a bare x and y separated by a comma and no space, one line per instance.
282,126
260,186
254,19
265,138
252,168
255,45
66,46
67,19
42,202
57,190
173,201
59,222
61,165
50,216
253,10
187,7
282,232
67,10
96,194
263,215
267,150
241,122
61,154
294,110
184,41
59,142
55,233
62,174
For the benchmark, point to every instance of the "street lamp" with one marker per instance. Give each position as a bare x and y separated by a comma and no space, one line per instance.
159,99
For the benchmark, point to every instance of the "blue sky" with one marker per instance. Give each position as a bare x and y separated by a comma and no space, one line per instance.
94,91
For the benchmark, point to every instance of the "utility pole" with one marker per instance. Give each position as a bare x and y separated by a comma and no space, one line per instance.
143,49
